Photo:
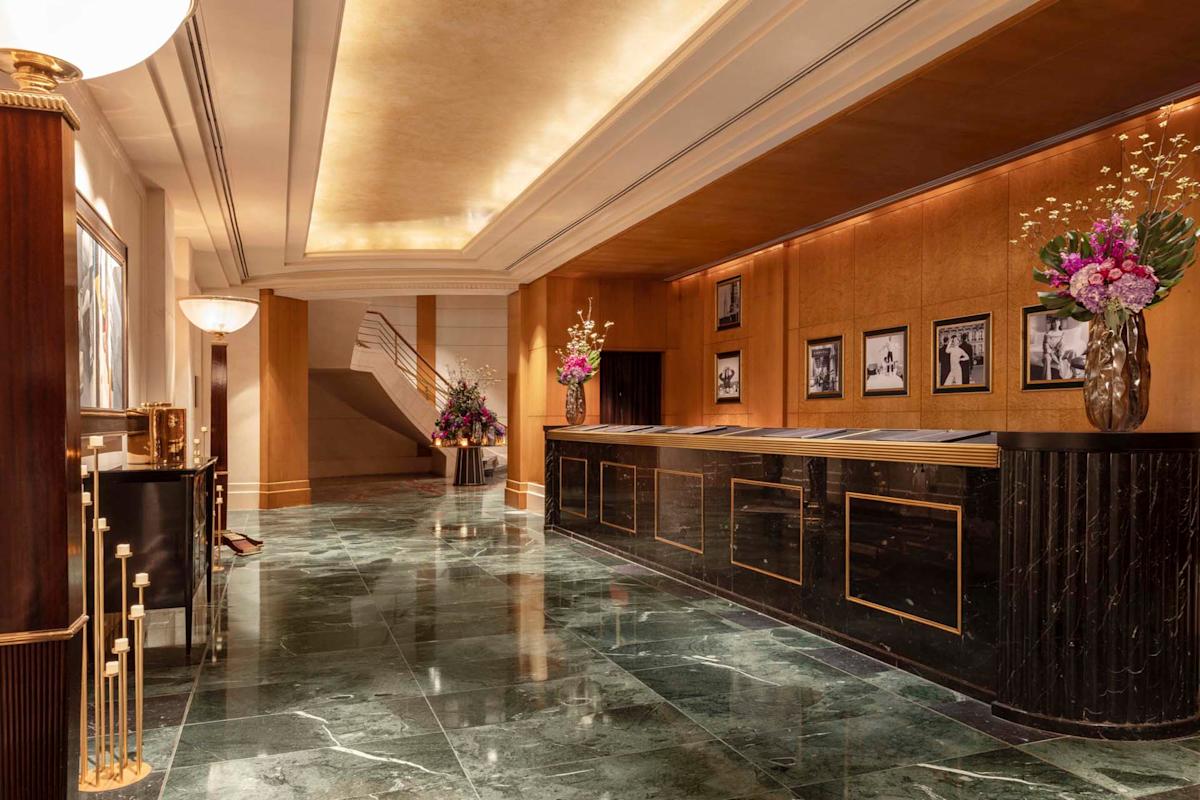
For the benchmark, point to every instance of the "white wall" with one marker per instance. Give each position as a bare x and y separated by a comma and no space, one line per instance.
243,396
475,328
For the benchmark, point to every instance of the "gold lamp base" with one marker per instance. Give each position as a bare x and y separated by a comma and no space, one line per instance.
114,778
37,72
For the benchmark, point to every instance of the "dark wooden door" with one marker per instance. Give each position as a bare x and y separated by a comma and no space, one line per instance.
630,388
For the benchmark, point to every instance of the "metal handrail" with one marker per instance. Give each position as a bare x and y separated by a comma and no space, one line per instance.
377,332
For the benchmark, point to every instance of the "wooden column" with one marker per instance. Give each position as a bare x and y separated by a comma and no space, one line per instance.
41,572
218,427
427,345
283,401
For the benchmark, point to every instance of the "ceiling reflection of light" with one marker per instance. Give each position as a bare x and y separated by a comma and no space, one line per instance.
442,113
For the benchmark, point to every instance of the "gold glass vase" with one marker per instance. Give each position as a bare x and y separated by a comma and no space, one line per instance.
576,404
1116,389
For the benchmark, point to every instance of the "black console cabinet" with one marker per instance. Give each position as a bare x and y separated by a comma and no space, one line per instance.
165,515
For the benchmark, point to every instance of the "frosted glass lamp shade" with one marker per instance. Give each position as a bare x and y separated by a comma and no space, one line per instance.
218,315
96,37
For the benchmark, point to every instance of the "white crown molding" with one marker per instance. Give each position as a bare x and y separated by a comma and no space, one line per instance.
655,148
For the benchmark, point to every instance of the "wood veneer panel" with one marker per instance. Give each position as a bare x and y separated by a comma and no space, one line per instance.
283,413
39,378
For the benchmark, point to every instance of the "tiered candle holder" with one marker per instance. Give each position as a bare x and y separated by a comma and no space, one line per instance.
107,765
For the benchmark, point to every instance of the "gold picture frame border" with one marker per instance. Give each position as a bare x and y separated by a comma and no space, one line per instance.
733,482
562,509
659,471
631,531
957,628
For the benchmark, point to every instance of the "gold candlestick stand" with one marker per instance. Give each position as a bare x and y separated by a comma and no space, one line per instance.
110,765
218,529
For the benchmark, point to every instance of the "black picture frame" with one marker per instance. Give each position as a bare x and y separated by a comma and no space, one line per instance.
835,355
867,336
944,380
1072,357
733,392
733,318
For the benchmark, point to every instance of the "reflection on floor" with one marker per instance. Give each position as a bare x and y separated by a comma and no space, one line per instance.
428,643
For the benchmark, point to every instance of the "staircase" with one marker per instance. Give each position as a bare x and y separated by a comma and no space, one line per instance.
413,384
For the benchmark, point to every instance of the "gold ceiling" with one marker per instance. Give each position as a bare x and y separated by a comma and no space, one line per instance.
443,111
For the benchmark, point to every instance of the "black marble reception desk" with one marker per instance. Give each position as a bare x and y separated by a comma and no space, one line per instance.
1059,582
884,540
1100,583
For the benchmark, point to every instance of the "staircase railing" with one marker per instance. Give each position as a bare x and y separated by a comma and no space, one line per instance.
377,333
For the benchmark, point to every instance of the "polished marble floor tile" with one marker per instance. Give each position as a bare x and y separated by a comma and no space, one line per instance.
997,775
899,734
408,640
1131,769
703,771
337,724
492,751
409,768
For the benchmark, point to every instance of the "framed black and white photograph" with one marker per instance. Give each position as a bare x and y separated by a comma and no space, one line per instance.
962,357
729,303
824,373
728,373
1054,350
885,362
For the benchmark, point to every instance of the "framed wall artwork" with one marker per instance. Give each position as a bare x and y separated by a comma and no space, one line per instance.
729,303
885,362
728,376
962,354
1053,350
823,375
101,299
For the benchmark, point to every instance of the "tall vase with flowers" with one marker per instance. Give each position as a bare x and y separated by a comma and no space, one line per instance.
579,361
1137,247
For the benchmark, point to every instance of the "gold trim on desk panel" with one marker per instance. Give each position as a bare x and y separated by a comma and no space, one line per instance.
672,542
957,628
631,531
733,507
585,486
947,453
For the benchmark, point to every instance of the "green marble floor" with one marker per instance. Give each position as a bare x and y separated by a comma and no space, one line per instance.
422,642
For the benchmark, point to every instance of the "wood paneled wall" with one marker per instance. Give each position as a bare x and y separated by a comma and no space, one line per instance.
427,342
942,254
283,397
539,315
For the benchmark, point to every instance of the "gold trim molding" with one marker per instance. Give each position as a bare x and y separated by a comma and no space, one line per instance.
958,512
951,454
672,542
631,531
733,482
561,508
51,635
40,101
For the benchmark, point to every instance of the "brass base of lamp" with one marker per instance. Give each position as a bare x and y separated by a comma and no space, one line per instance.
114,778
37,72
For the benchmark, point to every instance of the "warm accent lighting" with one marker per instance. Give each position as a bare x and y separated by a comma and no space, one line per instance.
218,315
48,42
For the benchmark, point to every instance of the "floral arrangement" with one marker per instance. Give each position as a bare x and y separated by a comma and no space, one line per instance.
1137,249
580,361
465,416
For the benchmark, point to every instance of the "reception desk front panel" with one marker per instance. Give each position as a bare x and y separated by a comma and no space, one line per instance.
895,558
1057,575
